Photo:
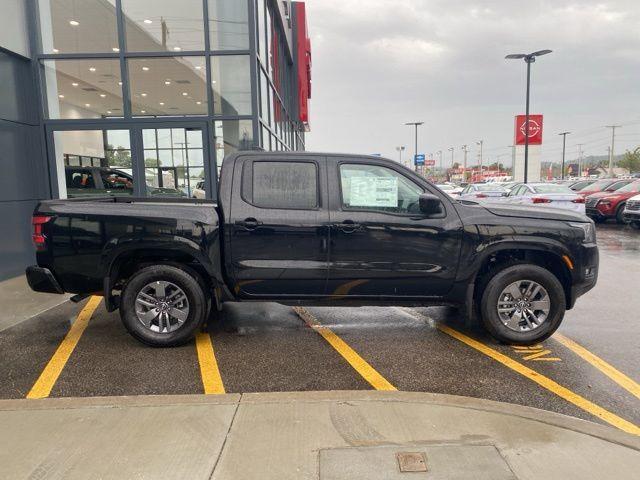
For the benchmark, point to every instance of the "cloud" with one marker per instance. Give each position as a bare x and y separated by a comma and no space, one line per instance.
380,63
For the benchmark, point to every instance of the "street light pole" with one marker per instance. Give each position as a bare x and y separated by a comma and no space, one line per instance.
480,143
564,151
613,141
416,125
400,149
529,58
464,164
439,153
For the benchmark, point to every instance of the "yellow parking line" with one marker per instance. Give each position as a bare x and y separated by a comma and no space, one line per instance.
209,371
545,382
358,363
606,368
49,376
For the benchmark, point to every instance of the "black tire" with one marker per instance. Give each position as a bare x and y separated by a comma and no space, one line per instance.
620,215
185,279
597,219
511,273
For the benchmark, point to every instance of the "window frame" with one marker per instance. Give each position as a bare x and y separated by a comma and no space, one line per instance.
247,180
367,210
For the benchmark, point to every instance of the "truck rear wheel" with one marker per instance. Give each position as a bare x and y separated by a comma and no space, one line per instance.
522,304
163,305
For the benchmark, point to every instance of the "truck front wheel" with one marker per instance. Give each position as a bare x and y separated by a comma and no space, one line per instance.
163,305
522,304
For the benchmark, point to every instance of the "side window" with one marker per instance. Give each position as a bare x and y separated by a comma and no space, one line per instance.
116,181
287,185
79,180
373,187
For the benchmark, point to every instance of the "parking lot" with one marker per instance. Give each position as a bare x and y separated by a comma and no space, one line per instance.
588,370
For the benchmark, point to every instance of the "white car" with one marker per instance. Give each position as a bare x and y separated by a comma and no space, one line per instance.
631,212
452,190
199,192
483,192
546,195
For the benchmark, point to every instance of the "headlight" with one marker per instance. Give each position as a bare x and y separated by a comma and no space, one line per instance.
589,230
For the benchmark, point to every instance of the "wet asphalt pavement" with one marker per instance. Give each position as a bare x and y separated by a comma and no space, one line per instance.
268,347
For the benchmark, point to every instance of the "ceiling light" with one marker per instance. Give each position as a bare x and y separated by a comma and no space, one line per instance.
177,49
102,95
146,69
147,21
213,81
143,111
119,83
143,94
198,103
198,67
115,49
161,103
74,23
108,111
184,94
92,69
55,50
60,96
74,84
167,82
87,104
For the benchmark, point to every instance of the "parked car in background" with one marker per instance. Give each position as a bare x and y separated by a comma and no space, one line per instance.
605,205
483,192
580,184
603,185
547,195
103,181
199,191
631,213
452,190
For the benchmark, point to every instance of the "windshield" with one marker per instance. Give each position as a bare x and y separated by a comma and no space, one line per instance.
488,187
597,186
617,185
631,187
552,188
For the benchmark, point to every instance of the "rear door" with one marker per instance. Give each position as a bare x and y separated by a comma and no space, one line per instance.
278,226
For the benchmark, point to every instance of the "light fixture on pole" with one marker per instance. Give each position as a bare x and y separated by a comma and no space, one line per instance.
529,58
564,151
416,125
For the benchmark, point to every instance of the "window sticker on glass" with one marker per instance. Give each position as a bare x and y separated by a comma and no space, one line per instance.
373,192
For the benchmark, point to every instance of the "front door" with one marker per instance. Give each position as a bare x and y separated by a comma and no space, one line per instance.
277,227
381,245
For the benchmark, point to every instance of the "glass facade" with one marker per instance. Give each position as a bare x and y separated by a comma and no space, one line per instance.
185,82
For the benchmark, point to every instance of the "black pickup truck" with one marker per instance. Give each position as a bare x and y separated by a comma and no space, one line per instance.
315,229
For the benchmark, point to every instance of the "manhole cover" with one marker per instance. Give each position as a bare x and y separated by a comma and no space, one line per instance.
412,461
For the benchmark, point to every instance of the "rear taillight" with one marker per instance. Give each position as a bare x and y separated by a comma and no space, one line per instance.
480,195
540,200
578,200
39,239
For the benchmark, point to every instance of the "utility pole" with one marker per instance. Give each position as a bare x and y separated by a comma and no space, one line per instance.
464,164
451,149
481,142
416,125
400,149
613,141
580,159
564,151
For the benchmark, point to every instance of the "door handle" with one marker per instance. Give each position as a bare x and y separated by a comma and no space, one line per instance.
248,223
348,226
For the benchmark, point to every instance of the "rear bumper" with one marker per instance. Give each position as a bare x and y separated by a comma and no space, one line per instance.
42,280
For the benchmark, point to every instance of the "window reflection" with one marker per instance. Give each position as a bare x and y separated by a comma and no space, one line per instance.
168,86
228,25
163,25
78,26
83,88
231,84
231,136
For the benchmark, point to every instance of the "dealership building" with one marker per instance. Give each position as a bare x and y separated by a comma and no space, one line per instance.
140,97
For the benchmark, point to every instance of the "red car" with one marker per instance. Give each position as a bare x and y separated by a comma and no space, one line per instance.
604,205
603,185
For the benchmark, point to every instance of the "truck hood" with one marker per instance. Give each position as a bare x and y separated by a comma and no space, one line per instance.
542,213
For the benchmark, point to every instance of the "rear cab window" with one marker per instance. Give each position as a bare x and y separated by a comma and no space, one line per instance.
281,184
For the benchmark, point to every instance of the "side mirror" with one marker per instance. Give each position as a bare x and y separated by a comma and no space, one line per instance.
430,204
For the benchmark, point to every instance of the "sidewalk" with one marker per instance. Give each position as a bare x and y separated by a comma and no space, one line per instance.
19,302
323,435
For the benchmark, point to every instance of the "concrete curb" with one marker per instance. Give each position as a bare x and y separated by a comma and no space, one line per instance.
602,432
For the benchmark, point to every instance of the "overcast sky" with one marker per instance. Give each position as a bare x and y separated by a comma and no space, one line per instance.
380,63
